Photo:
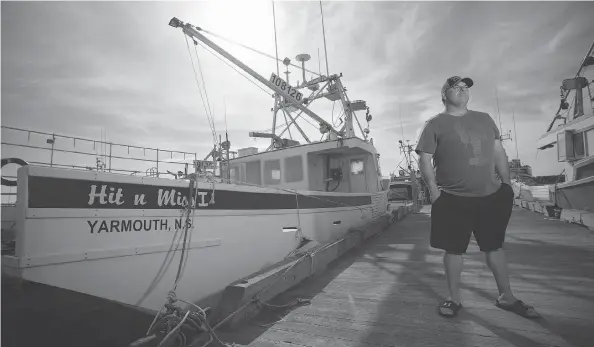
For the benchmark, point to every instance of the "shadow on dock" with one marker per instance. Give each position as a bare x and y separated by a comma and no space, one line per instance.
386,293
408,309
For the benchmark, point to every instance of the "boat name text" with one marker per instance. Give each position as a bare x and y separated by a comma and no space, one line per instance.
106,195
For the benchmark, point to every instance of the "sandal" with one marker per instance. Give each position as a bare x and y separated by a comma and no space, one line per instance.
450,305
519,308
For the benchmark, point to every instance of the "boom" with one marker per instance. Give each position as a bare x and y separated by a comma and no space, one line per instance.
193,32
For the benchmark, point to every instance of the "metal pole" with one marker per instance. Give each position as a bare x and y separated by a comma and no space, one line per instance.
110,146
274,112
52,153
157,163
228,171
276,97
324,34
515,132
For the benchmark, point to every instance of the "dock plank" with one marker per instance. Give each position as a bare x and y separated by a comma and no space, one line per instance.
385,293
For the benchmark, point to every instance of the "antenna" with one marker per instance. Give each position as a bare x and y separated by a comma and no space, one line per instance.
275,42
287,62
303,58
502,136
225,112
324,34
401,127
498,113
319,68
516,133
227,145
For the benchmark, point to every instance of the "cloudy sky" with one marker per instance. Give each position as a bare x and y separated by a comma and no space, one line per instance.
117,68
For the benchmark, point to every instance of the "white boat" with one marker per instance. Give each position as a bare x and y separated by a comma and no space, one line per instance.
574,139
407,189
123,237
529,188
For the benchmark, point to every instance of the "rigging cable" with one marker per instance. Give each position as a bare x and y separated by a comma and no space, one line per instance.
234,68
311,97
199,88
255,50
293,191
206,93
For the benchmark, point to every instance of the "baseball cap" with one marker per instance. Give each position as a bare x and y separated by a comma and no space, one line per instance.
452,81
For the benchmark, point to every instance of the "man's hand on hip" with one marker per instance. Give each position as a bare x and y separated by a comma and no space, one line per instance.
434,195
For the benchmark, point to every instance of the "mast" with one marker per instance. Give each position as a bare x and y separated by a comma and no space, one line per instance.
515,132
276,98
502,136
324,34
227,144
193,32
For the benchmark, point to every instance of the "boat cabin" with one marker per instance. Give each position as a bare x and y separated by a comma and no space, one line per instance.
342,166
400,191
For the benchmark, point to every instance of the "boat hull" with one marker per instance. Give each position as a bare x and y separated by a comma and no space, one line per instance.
115,236
576,195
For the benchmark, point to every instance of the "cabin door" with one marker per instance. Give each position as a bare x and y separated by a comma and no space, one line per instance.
358,178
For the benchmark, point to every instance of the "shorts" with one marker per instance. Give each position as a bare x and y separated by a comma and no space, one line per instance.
454,218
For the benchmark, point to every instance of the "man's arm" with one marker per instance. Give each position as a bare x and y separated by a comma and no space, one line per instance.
501,162
428,174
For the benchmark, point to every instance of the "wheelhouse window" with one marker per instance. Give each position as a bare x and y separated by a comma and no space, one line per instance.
294,169
571,145
590,142
253,173
579,145
400,193
272,172
357,167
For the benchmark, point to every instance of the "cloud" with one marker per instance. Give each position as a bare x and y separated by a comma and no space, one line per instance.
88,66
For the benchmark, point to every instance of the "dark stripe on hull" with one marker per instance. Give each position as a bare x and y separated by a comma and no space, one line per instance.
50,192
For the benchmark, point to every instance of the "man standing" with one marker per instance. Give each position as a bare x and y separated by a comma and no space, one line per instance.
465,193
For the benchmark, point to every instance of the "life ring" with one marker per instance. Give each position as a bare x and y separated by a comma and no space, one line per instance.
19,161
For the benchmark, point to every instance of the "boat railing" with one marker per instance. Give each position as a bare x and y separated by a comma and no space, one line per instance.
70,152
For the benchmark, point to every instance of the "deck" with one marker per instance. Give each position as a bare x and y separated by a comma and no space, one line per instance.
382,294
385,293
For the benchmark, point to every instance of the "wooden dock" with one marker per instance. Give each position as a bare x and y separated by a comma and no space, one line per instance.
385,293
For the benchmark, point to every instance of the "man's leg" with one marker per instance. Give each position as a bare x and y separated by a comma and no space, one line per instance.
498,265
495,213
453,264
450,231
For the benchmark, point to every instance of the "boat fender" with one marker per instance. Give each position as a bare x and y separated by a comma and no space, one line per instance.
5,161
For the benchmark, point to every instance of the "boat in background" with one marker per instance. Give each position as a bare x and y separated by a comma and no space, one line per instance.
406,190
530,188
574,139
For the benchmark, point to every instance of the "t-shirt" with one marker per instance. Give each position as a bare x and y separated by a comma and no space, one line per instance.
462,148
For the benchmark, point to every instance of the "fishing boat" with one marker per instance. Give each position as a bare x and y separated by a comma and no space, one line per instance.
574,139
406,189
132,239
